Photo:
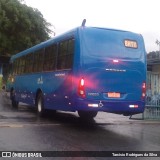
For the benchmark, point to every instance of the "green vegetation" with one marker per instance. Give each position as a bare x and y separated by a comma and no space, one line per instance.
20,27
0,82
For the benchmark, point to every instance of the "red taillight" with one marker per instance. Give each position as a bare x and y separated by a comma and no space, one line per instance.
81,88
82,82
143,90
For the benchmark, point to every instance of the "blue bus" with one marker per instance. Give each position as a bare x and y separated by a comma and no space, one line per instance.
87,69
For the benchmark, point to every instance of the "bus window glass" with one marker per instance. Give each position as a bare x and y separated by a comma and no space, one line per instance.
35,65
38,61
19,71
65,54
110,44
15,67
22,62
26,64
69,58
29,63
50,58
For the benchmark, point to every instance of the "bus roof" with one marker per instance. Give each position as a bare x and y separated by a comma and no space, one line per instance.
56,39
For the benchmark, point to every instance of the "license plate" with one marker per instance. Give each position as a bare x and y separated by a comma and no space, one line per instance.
113,95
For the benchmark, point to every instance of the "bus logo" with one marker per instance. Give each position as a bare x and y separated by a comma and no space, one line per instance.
40,80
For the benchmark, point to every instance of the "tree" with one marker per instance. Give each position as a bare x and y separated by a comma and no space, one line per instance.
20,27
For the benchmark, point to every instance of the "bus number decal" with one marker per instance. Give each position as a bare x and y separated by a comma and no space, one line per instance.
59,74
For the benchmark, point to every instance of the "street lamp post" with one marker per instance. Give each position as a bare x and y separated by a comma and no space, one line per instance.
158,44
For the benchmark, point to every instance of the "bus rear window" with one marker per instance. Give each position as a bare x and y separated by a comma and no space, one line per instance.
112,44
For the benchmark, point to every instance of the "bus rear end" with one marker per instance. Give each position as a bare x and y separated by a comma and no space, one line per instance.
112,72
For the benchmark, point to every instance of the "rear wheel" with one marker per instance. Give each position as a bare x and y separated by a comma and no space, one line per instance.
40,105
15,104
87,114
12,97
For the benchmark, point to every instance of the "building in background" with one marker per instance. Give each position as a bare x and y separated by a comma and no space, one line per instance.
153,79
152,110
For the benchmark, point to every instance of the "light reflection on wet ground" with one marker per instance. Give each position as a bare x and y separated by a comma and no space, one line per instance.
21,129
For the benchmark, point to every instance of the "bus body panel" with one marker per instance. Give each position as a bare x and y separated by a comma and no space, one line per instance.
113,74
115,69
56,88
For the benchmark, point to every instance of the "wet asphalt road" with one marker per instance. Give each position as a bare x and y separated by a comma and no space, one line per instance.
22,130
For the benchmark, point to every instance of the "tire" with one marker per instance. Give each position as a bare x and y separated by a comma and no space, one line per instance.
87,114
12,97
40,105
15,104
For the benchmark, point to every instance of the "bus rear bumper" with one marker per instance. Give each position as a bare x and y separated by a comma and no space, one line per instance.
125,107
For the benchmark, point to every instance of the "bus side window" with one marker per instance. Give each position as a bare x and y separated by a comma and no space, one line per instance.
62,52
69,58
22,64
38,61
15,67
35,62
50,58
29,63
18,66
65,54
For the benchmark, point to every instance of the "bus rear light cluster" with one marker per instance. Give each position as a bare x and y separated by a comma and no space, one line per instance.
143,90
81,88
133,106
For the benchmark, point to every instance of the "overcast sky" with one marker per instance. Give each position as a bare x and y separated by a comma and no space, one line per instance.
140,16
